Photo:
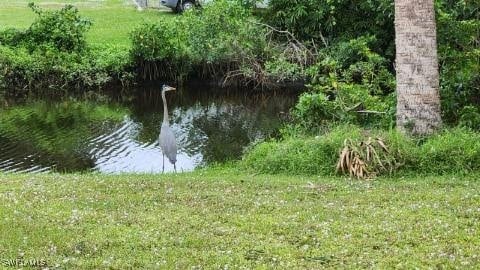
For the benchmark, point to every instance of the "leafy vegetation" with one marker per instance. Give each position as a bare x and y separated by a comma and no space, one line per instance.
223,218
16,14
212,42
470,117
452,151
319,155
335,23
351,84
458,43
63,30
329,21
52,72
52,55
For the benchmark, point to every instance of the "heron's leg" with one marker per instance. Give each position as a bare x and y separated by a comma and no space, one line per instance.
175,167
163,163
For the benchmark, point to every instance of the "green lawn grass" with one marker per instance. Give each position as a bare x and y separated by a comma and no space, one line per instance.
226,219
113,20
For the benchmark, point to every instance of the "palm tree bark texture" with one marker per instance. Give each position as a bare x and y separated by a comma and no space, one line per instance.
418,100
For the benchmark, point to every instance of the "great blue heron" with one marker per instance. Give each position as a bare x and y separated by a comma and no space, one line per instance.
167,138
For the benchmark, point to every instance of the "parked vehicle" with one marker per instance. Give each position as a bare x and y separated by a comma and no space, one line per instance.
180,5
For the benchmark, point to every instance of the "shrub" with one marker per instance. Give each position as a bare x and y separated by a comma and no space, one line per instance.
452,151
211,41
351,84
52,54
221,41
331,22
51,70
62,29
319,155
221,32
470,117
328,20
161,50
11,37
458,41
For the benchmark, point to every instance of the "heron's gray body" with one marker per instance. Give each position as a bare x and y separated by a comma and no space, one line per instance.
168,143
167,138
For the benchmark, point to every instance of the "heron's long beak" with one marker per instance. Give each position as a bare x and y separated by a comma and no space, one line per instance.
171,88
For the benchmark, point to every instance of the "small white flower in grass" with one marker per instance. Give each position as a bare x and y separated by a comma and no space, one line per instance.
52,249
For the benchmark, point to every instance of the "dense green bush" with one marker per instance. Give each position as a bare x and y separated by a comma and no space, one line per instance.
338,24
62,29
213,40
458,27
221,41
52,55
470,117
329,20
11,37
351,84
161,50
50,69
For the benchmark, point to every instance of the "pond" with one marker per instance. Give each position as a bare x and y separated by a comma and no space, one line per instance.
119,133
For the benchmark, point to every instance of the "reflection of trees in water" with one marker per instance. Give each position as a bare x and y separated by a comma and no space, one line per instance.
227,136
51,136
221,132
70,135
217,125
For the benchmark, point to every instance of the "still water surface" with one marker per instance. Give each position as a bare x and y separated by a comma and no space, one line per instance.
120,134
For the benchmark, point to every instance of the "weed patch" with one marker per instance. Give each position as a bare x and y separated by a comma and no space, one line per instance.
363,153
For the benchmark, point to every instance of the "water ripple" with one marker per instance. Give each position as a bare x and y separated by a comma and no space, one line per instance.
62,136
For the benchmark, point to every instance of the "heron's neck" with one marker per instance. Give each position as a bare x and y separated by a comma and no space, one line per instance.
165,109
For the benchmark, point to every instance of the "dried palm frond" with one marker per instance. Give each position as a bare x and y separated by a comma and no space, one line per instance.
365,159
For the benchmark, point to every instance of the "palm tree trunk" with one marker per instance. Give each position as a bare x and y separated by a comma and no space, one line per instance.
418,100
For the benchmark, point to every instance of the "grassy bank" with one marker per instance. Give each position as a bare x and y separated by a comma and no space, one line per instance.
113,20
220,218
